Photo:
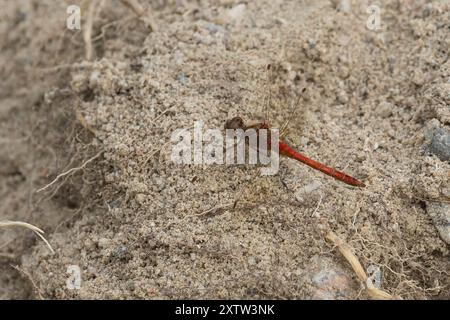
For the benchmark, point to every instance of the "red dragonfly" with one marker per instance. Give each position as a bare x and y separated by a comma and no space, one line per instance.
288,151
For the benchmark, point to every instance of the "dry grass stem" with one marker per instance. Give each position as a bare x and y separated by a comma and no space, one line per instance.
87,34
36,230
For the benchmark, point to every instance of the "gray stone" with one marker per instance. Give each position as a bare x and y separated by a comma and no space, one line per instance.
440,144
440,214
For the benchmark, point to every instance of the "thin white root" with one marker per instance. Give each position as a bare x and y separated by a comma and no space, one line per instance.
36,230
71,171
38,291
348,254
229,205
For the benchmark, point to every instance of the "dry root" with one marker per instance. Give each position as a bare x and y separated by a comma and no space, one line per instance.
69,172
348,254
36,230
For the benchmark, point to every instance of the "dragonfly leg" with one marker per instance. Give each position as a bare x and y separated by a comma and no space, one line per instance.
284,129
284,132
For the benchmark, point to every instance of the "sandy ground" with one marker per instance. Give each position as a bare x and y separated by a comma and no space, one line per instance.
374,103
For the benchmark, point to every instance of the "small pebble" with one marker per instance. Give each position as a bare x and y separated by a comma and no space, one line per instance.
375,275
342,97
384,109
103,242
236,13
440,214
331,284
344,6
440,144
122,253
140,198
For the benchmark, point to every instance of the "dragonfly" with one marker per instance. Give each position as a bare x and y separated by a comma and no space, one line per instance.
286,150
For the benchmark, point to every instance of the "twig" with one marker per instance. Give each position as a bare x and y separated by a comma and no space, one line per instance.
70,172
142,13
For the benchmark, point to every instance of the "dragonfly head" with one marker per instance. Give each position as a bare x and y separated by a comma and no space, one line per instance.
235,123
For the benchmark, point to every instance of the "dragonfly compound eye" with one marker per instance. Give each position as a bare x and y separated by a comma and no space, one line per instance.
235,123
